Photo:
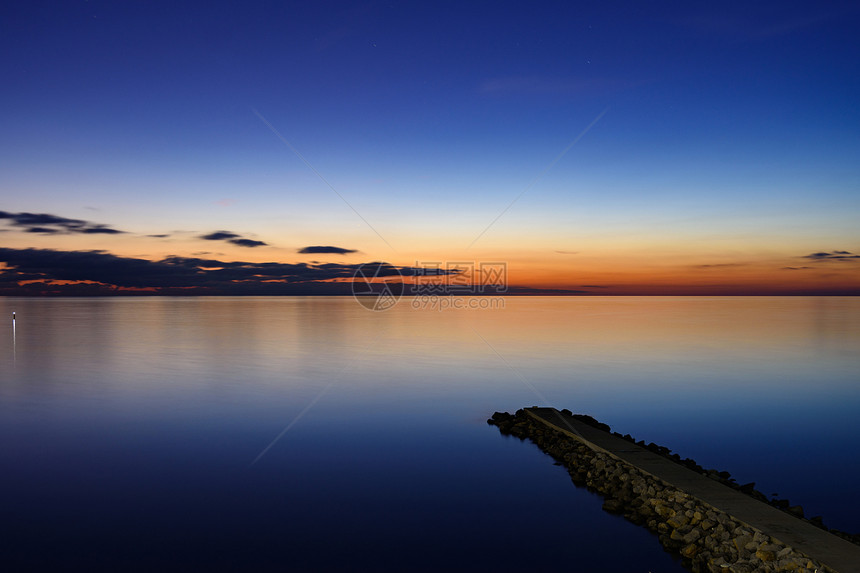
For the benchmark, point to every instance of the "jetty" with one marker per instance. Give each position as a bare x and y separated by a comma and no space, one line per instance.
714,527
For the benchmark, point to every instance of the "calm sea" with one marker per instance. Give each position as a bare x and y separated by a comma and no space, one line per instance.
314,434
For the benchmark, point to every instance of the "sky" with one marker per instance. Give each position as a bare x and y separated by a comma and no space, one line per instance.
274,147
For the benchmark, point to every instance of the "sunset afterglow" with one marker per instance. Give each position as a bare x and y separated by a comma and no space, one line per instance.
657,150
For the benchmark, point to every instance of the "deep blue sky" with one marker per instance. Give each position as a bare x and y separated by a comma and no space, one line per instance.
731,132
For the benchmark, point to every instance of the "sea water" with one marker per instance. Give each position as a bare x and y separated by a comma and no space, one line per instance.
312,433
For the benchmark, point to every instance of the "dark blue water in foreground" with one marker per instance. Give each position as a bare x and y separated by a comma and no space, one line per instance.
129,427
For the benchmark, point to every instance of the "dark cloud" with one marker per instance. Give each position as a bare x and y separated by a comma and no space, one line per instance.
97,266
719,265
247,243
158,236
430,271
48,224
832,256
173,275
232,238
794,268
324,249
29,219
100,230
219,236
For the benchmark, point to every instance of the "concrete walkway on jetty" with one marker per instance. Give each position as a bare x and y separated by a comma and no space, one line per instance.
838,554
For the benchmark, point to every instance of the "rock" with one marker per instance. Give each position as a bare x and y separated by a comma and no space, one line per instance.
694,521
748,487
689,551
765,555
790,564
501,416
741,541
635,517
711,543
613,505
702,557
664,511
817,521
744,531
785,552
693,536
678,520
796,510
706,524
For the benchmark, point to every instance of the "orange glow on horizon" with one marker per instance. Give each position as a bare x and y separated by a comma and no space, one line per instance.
610,268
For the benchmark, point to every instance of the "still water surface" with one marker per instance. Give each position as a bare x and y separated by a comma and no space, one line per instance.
142,433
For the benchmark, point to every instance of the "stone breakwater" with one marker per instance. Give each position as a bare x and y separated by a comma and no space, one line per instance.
706,538
722,477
